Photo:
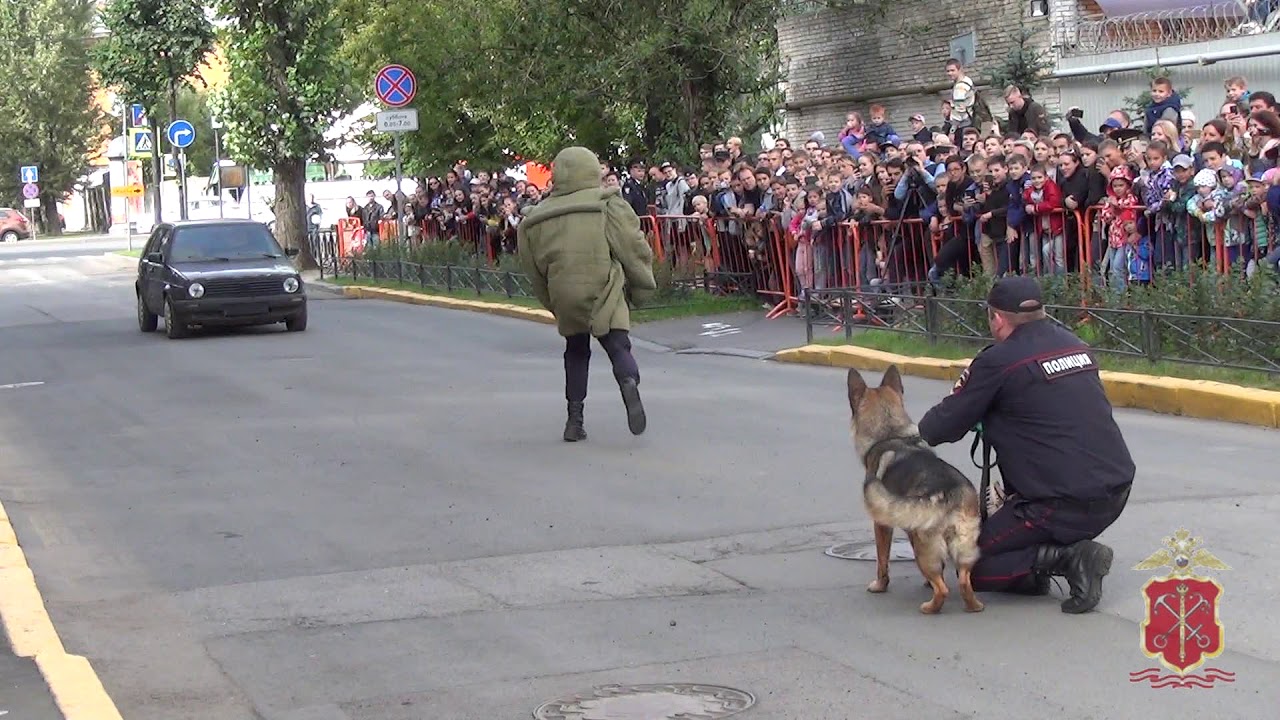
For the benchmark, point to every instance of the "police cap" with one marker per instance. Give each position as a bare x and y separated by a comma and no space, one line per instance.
1015,294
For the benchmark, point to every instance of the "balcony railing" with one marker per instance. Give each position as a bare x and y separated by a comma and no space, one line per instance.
1163,28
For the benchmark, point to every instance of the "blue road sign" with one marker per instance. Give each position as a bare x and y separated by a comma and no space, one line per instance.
395,85
31,191
180,133
137,115
30,174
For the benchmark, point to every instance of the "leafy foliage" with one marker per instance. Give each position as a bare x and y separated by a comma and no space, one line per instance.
1028,63
500,81
151,46
47,114
287,87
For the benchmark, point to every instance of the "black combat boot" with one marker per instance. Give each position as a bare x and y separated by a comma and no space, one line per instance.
1083,564
573,430
636,421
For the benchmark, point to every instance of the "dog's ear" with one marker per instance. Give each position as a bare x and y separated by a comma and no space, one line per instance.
893,379
857,388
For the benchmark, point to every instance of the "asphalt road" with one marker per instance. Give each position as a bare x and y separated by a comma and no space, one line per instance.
376,519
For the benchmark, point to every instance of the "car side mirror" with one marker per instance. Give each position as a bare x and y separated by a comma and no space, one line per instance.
155,257
291,252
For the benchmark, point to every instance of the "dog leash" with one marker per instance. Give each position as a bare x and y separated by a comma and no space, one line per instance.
985,466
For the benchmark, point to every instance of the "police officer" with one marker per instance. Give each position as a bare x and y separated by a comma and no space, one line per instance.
1064,463
634,190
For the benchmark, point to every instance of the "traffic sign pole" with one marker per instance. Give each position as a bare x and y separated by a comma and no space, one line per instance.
399,202
396,86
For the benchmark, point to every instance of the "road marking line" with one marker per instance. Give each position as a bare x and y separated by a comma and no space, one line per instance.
76,688
15,386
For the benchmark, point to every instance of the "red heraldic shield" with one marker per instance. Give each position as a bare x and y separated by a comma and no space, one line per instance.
1182,629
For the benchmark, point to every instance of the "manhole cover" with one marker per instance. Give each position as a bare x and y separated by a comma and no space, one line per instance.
899,551
649,702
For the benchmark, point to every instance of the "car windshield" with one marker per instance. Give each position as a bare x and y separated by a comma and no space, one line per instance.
223,242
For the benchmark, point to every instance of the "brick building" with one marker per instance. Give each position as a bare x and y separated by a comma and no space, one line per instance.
894,52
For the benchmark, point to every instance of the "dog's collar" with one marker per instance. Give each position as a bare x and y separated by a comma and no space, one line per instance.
910,439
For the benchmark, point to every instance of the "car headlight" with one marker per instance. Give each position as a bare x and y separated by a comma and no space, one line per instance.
195,290
291,284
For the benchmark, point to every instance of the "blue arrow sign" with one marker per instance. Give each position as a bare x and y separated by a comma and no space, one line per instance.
137,115
180,133
30,174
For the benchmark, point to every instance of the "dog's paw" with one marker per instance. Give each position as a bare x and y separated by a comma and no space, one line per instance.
931,608
974,607
878,585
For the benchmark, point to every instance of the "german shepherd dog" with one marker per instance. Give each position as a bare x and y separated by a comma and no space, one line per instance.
908,486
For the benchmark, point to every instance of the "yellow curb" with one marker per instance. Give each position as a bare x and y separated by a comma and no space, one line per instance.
1200,399
71,679
518,312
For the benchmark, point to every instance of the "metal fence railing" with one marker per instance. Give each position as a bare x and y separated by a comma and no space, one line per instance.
1239,343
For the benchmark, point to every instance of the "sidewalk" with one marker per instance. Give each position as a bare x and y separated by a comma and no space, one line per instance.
23,695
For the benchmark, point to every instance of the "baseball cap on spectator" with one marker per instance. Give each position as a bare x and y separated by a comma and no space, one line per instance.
665,166
1271,175
1110,124
1259,178
1188,117
917,118
1015,294
1183,161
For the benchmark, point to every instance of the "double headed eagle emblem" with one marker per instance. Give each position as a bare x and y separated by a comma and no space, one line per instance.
1181,554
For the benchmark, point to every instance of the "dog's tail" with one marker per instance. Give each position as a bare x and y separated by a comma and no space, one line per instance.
962,535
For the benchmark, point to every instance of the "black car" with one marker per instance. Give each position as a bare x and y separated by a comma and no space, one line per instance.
217,272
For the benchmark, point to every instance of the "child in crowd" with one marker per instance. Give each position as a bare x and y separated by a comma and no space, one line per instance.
853,136
1157,185
1186,235
1044,205
1165,104
1260,220
1138,252
1238,93
1016,221
881,131
1119,209
802,223
1235,239
994,210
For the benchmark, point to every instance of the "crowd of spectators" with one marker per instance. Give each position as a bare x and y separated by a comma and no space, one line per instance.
1145,192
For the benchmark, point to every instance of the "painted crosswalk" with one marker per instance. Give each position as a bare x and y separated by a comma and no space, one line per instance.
23,272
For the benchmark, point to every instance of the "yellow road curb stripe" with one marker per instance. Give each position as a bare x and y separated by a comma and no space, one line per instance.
1200,399
519,312
72,681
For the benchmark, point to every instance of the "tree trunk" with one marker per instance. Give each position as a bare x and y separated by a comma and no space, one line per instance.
290,209
157,165
49,213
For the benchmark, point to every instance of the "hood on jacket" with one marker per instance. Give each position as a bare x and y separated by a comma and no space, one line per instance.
1237,174
575,169
1119,173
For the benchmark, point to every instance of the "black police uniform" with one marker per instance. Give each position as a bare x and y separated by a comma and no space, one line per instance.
1065,465
636,195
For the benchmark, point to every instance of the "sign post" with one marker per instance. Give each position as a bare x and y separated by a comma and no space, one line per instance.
180,135
128,192
396,86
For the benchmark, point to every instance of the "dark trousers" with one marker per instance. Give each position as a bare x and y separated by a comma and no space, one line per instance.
577,361
1010,536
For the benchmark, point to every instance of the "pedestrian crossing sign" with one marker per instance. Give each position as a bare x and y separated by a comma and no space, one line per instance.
141,143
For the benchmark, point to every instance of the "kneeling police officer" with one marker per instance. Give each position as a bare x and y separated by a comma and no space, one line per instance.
1065,465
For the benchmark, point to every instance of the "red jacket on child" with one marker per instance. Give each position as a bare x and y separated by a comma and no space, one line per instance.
1048,218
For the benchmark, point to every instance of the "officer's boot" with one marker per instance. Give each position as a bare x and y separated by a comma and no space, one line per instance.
573,430
1083,564
636,421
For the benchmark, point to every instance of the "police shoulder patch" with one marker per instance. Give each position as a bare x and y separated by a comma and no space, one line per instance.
964,375
1071,362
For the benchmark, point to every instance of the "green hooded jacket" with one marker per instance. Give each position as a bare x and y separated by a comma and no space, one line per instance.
583,249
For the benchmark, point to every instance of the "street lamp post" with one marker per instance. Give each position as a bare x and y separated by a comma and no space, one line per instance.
217,161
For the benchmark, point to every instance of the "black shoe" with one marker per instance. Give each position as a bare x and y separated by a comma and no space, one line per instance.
1083,564
573,430
636,421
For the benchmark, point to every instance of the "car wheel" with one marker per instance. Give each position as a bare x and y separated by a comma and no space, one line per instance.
9,236
298,322
172,327
147,320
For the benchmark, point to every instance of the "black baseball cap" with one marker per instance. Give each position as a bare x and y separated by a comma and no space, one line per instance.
1015,294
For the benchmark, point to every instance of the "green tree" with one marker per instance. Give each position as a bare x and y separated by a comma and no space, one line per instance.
620,77
47,113
288,85
151,48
